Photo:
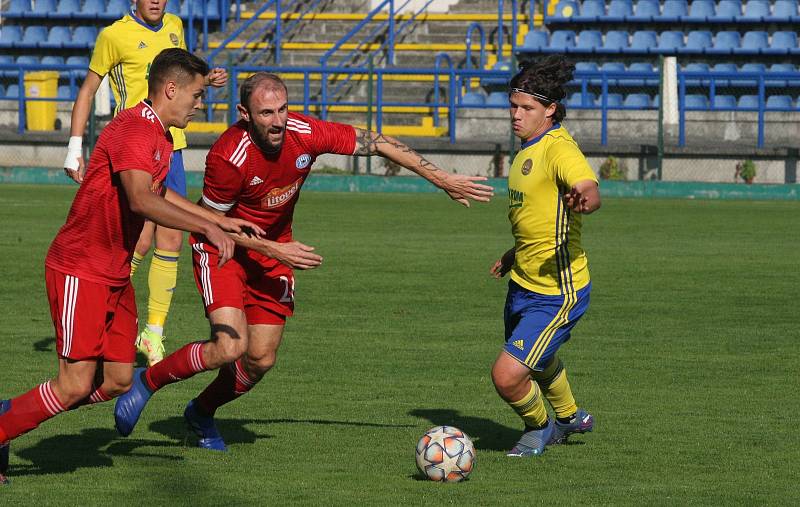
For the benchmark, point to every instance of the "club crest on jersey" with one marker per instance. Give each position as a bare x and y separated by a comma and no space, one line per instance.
174,39
280,196
527,167
302,161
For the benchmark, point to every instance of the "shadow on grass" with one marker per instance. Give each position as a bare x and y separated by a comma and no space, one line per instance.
485,433
45,344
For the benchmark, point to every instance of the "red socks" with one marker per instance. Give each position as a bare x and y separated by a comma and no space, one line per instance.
28,411
231,382
181,364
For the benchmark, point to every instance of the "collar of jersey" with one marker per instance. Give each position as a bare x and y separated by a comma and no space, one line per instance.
538,138
132,14
149,105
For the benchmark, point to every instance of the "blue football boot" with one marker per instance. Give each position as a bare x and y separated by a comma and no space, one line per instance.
203,426
5,405
582,422
129,406
533,442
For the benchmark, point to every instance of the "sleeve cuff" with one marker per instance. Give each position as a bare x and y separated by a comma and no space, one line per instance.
217,206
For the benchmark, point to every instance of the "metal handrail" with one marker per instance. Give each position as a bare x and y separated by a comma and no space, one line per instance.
468,41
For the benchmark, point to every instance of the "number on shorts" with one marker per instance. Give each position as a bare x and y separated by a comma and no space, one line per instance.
288,290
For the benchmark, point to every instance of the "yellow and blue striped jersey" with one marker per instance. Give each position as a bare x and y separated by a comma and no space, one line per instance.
549,258
125,50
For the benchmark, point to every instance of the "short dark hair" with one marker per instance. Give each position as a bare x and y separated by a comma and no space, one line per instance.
271,81
175,63
545,78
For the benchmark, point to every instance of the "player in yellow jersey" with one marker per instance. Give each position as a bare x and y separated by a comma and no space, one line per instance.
125,51
550,187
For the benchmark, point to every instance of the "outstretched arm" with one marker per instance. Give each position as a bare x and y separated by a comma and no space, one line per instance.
459,187
584,197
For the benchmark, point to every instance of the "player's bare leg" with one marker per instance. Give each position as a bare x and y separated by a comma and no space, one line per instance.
234,380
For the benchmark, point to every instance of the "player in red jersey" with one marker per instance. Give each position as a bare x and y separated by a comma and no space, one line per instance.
87,269
255,171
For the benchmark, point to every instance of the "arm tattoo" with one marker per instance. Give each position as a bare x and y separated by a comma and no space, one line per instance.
367,145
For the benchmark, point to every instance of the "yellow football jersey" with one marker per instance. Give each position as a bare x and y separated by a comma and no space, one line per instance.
549,257
125,50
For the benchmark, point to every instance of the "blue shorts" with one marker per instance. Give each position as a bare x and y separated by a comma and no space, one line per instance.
176,177
537,324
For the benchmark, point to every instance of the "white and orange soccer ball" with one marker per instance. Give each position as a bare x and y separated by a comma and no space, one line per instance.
445,454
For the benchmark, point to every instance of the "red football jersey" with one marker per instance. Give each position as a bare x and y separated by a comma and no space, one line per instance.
97,241
247,183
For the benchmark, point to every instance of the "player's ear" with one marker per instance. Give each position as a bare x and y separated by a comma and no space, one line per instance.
243,112
171,89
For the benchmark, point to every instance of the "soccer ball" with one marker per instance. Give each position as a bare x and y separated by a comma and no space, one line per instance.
445,454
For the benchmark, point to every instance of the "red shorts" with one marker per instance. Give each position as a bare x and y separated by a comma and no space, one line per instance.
92,320
262,287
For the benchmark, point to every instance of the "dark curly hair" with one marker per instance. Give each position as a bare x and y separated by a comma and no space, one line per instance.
545,78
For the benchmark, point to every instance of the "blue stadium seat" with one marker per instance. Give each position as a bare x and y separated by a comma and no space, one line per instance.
783,11
727,11
565,11
93,8
696,102
748,102
697,42
577,99
587,67
116,8
724,102
7,60
674,11
778,68
753,43
25,60
18,8
33,36
198,6
9,35
588,41
724,67
783,43
725,42
696,67
503,66
756,11
616,67
779,102
613,100
700,11
643,41
80,61
64,92
590,11
57,37
670,42
639,81
83,37
637,101
12,92
2,91
535,40
618,11
561,41
52,60
66,8
616,42
749,82
646,10
41,8
473,99
497,99
173,7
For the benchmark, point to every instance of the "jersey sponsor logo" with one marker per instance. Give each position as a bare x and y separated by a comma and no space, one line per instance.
515,198
302,161
280,196
256,181
519,344
298,126
142,45
173,39
527,167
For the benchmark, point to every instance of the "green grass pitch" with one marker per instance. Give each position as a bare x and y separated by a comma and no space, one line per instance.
687,357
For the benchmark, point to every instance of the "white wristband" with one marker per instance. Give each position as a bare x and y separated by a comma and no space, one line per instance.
73,152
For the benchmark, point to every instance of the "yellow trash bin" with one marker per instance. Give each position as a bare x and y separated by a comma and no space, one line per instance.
41,115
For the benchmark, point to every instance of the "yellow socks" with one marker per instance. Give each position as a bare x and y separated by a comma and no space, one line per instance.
162,280
135,262
555,387
531,408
